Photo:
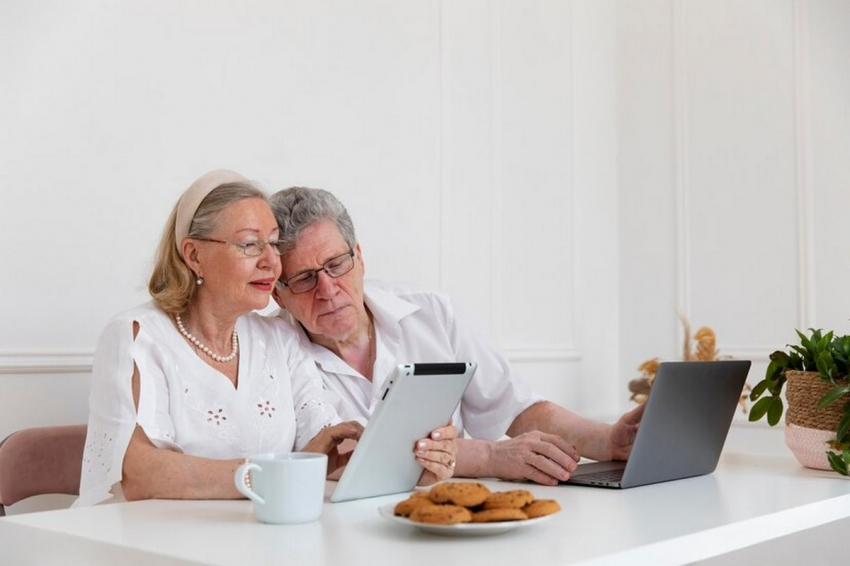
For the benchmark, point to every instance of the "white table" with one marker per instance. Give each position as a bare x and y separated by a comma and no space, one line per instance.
758,494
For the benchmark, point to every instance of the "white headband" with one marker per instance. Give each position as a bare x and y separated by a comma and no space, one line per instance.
194,195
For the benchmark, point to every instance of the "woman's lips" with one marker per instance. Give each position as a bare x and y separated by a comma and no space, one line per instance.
264,285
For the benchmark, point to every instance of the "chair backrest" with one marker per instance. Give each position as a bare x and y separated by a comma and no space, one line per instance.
43,460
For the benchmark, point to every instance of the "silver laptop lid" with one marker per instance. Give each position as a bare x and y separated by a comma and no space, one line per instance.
686,420
683,429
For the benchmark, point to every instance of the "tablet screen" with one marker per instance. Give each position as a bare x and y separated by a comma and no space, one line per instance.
417,399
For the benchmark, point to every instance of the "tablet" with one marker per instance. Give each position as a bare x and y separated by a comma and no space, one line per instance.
417,399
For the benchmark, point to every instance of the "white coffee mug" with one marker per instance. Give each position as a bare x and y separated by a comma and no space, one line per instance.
285,488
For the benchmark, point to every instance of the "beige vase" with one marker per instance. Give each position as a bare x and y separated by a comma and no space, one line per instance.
808,428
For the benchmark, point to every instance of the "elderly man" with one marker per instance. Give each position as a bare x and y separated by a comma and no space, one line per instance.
357,331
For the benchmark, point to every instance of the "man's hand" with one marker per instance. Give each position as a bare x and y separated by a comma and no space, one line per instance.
542,458
623,432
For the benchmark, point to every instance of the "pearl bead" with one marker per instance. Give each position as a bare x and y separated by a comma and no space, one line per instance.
204,348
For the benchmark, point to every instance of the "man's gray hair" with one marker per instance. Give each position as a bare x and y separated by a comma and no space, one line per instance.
296,208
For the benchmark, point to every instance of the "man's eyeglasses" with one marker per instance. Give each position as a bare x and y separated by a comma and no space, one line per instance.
250,249
307,280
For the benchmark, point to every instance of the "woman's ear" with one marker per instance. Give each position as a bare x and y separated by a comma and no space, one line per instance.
190,255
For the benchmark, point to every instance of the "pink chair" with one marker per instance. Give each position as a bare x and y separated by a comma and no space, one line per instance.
37,461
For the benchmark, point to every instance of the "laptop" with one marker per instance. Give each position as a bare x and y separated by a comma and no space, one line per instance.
683,428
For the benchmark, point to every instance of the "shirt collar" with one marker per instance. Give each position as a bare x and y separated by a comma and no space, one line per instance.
387,309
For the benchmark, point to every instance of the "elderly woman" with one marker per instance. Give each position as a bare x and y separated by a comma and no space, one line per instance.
187,386
357,331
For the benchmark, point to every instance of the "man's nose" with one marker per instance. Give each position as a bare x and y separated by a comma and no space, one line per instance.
325,285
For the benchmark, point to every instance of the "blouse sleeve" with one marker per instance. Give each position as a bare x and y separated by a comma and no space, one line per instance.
112,411
313,412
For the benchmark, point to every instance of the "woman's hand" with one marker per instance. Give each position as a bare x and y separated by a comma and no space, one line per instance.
437,454
329,439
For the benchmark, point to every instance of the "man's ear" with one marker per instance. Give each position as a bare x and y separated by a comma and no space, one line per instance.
359,257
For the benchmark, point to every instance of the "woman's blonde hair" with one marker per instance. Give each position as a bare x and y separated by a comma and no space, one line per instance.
172,284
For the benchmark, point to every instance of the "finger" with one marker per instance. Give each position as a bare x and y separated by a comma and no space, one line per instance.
446,458
557,457
342,459
353,427
549,466
427,478
347,430
633,417
538,476
562,445
330,437
444,433
441,471
447,446
439,459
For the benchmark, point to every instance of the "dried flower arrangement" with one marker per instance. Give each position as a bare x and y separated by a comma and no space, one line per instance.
705,350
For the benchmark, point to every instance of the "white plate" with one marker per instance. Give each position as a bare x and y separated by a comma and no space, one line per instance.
462,529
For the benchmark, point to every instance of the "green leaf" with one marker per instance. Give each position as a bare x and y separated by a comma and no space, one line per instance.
837,463
804,340
821,344
774,411
832,395
795,362
826,366
843,427
760,408
773,369
779,357
802,351
760,388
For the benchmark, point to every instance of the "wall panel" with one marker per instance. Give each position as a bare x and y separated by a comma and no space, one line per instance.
741,217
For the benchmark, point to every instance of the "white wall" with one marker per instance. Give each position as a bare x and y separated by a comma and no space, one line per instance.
733,163
573,172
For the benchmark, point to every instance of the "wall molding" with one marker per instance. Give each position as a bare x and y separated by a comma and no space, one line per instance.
532,355
48,363
45,362
806,303
680,158
496,289
754,352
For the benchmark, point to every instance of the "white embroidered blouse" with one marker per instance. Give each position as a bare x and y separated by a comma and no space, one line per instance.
187,406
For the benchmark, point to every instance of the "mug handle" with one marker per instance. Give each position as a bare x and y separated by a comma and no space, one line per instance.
239,480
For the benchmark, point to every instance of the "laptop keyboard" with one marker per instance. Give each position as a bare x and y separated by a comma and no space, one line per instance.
605,476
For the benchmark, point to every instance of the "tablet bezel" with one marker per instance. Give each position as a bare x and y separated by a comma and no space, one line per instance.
416,399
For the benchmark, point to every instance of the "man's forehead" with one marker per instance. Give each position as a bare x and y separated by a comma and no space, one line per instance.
318,243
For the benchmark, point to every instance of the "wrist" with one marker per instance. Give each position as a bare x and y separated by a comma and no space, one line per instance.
474,458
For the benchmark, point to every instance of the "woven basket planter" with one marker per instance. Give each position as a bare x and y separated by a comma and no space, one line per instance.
808,428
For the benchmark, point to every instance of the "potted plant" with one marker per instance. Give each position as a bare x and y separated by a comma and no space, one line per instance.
818,394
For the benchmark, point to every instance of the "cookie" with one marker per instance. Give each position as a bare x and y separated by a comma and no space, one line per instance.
541,507
513,499
501,514
441,514
465,494
406,507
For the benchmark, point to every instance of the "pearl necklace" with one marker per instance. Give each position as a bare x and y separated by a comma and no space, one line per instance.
205,349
